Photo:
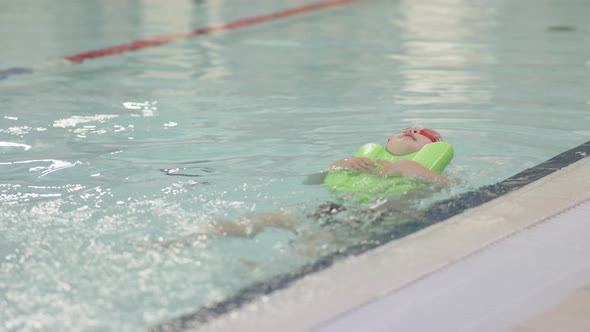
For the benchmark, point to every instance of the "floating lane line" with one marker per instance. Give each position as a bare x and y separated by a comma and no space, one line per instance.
14,71
161,40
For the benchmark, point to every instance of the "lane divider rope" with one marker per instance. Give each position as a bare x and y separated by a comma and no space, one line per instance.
161,40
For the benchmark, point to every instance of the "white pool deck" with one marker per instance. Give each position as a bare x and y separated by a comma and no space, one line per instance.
519,263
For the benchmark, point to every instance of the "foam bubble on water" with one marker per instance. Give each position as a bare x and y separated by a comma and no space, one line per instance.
56,165
11,144
147,108
75,120
17,131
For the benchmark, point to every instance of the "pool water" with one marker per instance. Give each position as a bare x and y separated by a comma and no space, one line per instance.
99,157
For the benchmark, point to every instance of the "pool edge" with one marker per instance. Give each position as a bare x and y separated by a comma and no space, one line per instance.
357,280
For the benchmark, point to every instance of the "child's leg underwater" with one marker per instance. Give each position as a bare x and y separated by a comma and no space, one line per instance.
247,227
252,226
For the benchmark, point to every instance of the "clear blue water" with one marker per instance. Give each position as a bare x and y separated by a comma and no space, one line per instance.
248,114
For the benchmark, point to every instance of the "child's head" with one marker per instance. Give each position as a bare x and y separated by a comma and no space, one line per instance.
411,140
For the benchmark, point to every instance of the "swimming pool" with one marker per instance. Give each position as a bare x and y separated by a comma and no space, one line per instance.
157,143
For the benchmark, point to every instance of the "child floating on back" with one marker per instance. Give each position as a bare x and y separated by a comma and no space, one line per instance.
412,158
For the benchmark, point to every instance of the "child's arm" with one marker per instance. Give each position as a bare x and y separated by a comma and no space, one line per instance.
410,169
357,164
